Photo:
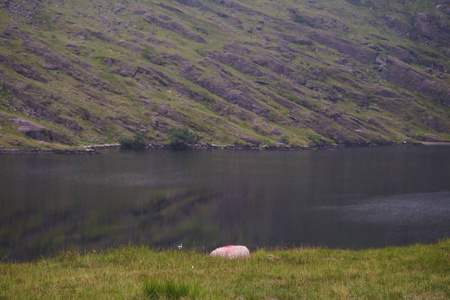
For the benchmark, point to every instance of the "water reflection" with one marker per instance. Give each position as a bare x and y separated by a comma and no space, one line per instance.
350,198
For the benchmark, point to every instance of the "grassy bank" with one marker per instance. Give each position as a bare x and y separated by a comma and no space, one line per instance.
414,272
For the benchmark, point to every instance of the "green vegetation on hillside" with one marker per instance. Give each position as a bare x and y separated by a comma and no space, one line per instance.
413,272
137,142
180,138
242,72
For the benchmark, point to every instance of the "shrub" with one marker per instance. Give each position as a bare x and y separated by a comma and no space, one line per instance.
284,139
265,142
181,137
137,142
315,139
301,20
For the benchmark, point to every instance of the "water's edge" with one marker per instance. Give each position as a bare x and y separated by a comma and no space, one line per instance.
93,149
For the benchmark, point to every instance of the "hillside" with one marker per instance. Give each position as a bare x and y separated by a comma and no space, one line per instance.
236,72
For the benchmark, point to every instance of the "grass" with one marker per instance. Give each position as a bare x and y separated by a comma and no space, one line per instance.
412,272
157,289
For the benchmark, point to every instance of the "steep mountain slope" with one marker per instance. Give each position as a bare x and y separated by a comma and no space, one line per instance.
242,72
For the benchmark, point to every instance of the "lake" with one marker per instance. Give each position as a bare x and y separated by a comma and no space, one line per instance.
347,198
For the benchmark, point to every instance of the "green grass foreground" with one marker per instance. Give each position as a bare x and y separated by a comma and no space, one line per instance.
413,272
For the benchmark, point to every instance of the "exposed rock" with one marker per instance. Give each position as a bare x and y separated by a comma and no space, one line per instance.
197,4
412,80
237,49
280,68
26,10
252,141
48,136
396,25
400,53
133,47
445,8
238,7
173,26
366,3
227,91
38,132
275,131
237,62
119,10
297,40
88,34
29,72
361,54
139,12
171,8
48,55
430,28
319,22
25,125
83,64
126,71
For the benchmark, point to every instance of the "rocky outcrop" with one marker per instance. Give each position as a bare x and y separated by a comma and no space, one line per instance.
227,91
28,71
38,132
431,28
425,28
48,55
196,4
237,62
364,55
298,40
410,79
25,10
169,24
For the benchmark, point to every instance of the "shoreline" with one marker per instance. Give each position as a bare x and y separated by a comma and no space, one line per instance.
435,143
94,149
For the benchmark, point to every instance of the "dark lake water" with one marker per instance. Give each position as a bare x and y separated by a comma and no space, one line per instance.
347,198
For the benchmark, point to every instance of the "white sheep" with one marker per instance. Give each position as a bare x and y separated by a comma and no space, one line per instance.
231,252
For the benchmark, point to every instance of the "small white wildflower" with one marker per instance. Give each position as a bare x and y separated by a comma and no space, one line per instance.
192,267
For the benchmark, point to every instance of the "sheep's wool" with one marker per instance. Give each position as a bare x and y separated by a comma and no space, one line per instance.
231,252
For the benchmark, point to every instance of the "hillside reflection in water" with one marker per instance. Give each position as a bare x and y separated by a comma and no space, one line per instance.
348,198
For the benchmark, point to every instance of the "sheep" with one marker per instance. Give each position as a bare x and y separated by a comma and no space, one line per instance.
231,251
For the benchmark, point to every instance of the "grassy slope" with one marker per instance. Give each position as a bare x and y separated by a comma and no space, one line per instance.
163,96
413,272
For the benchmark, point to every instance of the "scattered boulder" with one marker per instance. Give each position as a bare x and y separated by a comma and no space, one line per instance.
126,71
